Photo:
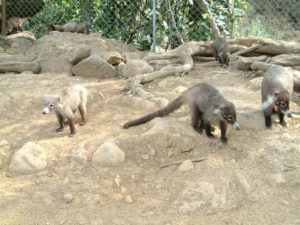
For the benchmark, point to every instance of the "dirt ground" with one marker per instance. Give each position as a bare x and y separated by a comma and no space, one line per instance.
256,175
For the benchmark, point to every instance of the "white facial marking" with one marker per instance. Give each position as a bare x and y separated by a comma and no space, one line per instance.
287,113
216,111
236,125
266,104
45,110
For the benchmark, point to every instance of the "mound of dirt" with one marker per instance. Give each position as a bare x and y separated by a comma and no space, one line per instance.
52,49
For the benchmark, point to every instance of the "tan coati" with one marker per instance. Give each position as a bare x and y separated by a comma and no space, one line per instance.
207,106
73,27
221,51
64,106
276,89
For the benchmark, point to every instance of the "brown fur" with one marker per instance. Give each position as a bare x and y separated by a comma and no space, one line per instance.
276,89
207,106
64,106
73,27
221,51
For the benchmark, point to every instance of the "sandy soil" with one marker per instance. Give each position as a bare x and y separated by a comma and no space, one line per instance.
257,173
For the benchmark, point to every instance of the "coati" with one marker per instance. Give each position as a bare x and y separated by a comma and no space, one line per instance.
221,51
276,90
73,27
207,106
15,24
65,106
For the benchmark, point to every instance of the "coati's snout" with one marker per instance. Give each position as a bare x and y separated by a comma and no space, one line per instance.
45,110
229,115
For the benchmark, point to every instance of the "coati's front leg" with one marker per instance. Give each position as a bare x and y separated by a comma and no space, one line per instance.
223,128
72,127
60,119
208,130
268,119
281,119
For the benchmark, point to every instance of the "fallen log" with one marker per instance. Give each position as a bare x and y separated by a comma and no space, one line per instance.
18,67
287,60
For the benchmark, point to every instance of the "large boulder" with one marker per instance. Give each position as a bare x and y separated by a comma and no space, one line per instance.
31,158
78,53
94,66
135,67
108,154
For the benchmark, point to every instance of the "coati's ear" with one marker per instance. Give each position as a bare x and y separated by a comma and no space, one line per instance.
276,93
222,107
218,110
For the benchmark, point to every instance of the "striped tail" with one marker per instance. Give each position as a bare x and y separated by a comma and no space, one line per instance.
172,106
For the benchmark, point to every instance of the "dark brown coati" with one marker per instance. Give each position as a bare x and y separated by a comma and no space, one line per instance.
73,27
276,90
207,106
64,106
221,51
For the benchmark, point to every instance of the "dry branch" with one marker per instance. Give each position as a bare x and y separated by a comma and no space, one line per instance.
235,55
181,161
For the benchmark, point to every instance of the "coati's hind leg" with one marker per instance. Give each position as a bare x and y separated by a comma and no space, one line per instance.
223,128
82,111
281,119
60,122
208,130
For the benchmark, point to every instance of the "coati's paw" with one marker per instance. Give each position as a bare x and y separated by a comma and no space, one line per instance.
210,136
60,129
71,134
268,126
224,140
81,123
198,130
283,124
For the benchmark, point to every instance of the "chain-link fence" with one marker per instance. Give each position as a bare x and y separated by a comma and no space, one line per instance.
176,21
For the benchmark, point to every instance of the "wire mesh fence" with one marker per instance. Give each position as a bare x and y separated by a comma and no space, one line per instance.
176,21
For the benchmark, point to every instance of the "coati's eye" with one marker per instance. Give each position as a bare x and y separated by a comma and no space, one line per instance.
51,105
229,118
282,103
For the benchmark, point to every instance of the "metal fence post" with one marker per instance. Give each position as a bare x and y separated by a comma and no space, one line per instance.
154,25
4,17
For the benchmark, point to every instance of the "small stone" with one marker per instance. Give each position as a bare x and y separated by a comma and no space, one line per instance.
118,180
132,177
31,158
117,196
276,179
68,197
123,190
186,165
66,181
78,53
152,152
108,154
128,199
145,156
170,153
80,154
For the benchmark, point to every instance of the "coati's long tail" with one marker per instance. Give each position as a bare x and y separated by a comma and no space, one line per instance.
172,106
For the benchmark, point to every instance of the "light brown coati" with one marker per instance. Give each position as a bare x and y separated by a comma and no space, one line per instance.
73,27
65,105
207,106
276,90
221,51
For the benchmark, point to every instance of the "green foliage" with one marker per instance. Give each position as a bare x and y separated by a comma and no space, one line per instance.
131,21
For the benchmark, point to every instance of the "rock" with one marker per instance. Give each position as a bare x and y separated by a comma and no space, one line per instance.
186,165
31,158
128,199
123,190
200,197
276,180
80,154
94,66
108,154
118,180
78,53
255,83
21,42
68,197
5,152
135,67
